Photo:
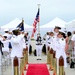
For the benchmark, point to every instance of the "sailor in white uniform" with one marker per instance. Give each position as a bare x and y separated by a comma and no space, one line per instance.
17,47
56,30
1,52
47,41
60,49
6,44
7,34
54,37
39,46
6,50
27,40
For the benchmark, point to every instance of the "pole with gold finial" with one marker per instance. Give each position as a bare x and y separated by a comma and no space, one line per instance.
38,19
22,20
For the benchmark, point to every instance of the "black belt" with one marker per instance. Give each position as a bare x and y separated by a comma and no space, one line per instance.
49,43
26,43
38,44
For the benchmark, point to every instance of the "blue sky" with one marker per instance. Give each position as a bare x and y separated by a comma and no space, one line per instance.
49,9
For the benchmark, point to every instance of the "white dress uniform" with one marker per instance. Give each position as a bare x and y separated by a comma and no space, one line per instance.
47,37
8,38
28,43
47,43
6,45
5,49
54,39
17,49
17,46
8,35
60,50
23,44
39,47
53,42
1,56
55,34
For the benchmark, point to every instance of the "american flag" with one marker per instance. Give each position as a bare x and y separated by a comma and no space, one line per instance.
36,20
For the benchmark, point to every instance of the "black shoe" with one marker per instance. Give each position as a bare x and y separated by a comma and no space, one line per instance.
37,59
72,64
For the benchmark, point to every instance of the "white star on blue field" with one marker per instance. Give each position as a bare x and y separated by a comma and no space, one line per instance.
27,9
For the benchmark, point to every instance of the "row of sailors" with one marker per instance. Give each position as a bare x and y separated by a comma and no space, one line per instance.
69,39
57,41
58,44
53,41
7,38
19,41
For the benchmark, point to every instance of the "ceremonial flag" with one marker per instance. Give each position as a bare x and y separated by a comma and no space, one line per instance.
36,20
21,26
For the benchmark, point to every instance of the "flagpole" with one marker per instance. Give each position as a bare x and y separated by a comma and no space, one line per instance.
23,20
39,20
23,23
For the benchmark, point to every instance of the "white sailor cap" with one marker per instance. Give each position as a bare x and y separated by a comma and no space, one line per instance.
62,31
57,27
6,29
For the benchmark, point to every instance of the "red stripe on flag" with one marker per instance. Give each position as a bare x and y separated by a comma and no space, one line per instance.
35,23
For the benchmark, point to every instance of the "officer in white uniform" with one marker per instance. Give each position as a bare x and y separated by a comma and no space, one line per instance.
39,46
54,37
52,41
47,41
27,40
2,38
5,49
56,30
7,34
6,44
17,47
1,53
60,49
